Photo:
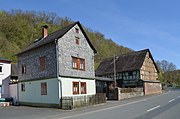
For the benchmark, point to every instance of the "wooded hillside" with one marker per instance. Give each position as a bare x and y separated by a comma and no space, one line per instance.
19,28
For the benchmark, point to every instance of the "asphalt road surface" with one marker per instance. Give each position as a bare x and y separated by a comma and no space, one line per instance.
162,106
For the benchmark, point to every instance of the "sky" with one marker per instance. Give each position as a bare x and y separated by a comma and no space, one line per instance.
136,24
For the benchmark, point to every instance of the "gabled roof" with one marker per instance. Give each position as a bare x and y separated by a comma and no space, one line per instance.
56,35
126,62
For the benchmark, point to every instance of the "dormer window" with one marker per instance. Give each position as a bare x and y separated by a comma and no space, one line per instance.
77,30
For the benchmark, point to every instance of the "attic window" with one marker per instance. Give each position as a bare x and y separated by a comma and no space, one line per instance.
77,30
77,40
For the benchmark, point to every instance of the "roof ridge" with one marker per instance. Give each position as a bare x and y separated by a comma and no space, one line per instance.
50,38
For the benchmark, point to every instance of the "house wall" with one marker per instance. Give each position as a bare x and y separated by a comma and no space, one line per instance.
6,70
32,94
70,100
5,85
67,88
31,60
68,48
13,92
152,88
148,70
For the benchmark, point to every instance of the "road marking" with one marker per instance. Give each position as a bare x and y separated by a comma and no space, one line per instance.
153,108
178,97
103,109
95,111
171,100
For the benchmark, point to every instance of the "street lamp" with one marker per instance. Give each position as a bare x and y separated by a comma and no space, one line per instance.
115,83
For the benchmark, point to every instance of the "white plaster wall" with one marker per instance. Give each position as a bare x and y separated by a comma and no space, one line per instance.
32,92
67,84
6,71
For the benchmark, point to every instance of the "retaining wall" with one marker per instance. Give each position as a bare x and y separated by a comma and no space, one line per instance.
82,101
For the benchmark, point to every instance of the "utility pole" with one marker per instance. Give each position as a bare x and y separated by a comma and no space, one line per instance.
115,83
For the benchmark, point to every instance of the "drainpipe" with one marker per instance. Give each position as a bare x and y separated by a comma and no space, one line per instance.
57,70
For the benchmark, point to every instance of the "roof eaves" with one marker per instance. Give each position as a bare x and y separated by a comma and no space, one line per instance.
67,28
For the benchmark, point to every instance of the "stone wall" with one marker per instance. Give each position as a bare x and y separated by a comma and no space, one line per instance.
82,101
124,93
130,93
152,88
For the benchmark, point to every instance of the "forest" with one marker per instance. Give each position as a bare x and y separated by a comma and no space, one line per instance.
19,28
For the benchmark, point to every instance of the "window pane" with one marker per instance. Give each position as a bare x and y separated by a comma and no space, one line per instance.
82,64
44,88
77,30
77,41
0,69
42,61
74,62
23,87
23,69
83,87
75,87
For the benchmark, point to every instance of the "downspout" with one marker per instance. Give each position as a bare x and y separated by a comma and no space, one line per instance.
57,70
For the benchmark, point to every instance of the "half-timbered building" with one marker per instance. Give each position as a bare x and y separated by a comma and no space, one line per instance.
137,69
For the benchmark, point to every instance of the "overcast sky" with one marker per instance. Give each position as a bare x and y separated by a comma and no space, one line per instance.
137,24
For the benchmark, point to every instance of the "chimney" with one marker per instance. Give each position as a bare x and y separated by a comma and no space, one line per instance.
44,31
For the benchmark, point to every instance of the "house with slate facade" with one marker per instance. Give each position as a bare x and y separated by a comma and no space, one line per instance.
136,69
57,69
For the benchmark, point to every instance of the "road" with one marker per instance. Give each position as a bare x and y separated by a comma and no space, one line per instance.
162,106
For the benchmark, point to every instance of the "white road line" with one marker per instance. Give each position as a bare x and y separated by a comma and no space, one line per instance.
91,112
153,108
171,100
178,97
103,109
